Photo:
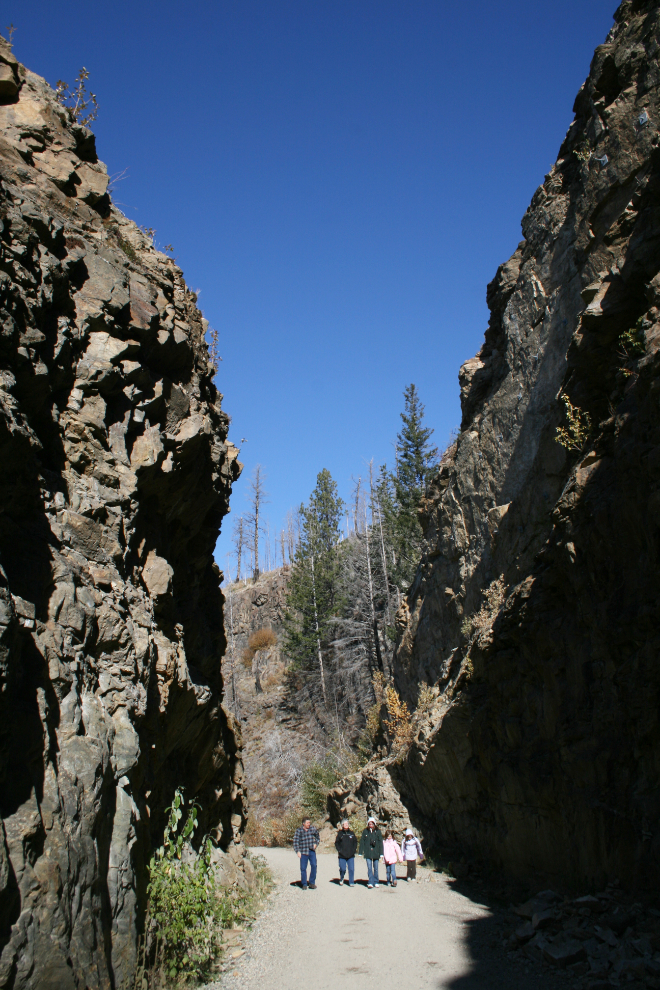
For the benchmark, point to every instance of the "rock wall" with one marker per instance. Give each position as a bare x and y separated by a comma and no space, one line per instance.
536,608
116,473
257,605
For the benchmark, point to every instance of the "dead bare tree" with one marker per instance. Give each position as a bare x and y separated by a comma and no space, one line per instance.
238,539
356,507
292,532
360,643
257,497
267,560
375,502
232,653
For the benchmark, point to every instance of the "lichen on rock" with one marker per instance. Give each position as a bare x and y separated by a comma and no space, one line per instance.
116,474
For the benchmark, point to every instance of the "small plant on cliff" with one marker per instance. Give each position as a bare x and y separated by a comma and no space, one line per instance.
425,699
214,348
77,100
127,248
575,434
478,625
632,342
583,152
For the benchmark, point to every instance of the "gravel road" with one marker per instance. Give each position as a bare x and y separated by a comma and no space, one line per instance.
412,937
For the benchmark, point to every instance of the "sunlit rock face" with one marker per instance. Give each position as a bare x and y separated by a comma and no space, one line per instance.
536,609
115,476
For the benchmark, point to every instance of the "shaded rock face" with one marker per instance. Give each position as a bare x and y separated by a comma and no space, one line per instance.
116,473
536,606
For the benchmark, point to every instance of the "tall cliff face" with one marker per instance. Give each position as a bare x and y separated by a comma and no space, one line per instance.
116,473
536,609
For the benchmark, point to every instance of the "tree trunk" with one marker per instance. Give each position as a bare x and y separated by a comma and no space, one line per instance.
233,655
318,636
374,621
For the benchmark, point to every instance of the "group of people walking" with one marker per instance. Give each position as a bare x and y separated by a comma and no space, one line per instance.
373,845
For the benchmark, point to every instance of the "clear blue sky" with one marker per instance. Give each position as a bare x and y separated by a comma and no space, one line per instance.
339,178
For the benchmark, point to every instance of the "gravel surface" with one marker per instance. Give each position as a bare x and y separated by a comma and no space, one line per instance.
412,937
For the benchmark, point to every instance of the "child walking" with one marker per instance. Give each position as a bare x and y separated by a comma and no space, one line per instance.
410,850
392,856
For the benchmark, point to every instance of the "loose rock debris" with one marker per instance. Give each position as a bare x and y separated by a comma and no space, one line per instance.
601,940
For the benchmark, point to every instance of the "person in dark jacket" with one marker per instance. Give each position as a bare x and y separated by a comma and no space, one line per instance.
346,846
371,847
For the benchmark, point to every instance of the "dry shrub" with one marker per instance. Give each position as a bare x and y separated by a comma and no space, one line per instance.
283,829
399,723
277,831
272,680
495,596
261,639
479,625
425,699
378,684
254,834
369,735
373,723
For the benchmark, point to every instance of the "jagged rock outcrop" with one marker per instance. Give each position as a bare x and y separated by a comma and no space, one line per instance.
257,605
536,609
116,473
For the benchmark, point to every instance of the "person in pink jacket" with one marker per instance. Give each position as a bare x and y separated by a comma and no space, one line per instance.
392,856
410,849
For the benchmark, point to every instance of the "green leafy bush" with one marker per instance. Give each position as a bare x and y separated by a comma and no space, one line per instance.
182,902
187,906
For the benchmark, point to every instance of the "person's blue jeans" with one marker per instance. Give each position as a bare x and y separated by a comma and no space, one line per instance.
391,871
343,864
306,858
372,872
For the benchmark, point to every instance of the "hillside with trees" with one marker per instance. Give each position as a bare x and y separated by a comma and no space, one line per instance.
321,681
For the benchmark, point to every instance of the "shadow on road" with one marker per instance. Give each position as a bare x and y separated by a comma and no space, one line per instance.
491,968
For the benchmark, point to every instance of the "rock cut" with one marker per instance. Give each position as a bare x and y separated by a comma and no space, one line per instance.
116,474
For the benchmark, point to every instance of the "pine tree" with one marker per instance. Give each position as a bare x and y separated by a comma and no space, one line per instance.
402,491
313,591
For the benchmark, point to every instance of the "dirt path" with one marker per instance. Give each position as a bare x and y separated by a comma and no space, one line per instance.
417,936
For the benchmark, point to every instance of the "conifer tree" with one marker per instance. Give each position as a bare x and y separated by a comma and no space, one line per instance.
400,493
313,591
